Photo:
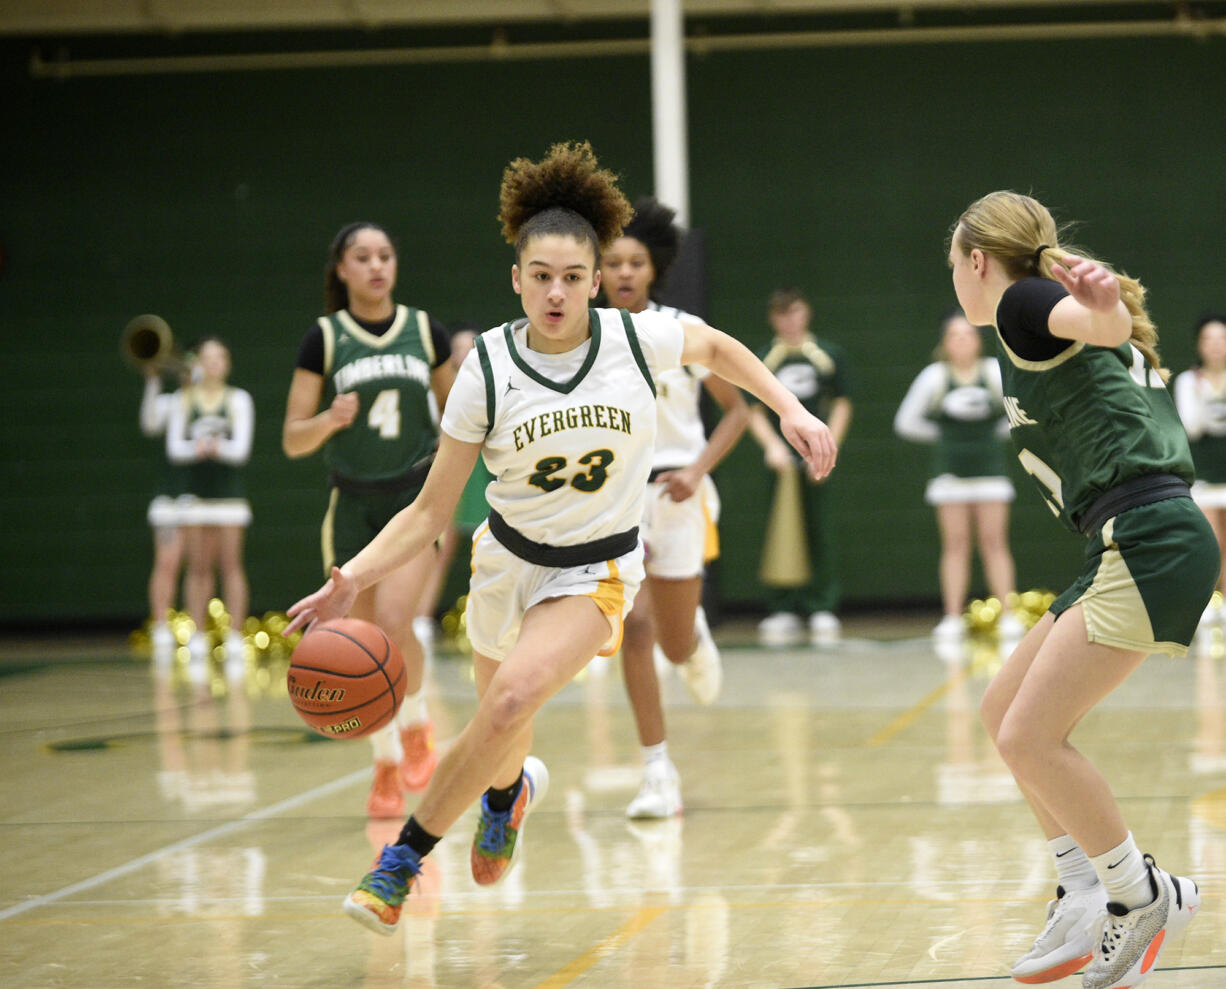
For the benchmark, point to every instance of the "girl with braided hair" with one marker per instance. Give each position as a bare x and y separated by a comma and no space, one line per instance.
1095,426
679,514
561,406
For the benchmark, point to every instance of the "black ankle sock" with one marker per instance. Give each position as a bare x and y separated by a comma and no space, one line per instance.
417,838
501,800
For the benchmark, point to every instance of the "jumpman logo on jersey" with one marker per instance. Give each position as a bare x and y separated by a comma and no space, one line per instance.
510,387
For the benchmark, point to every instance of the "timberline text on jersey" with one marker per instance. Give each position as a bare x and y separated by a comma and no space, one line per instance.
580,417
377,366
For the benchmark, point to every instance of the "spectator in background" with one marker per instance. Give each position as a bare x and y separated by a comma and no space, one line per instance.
956,404
1200,396
210,432
816,372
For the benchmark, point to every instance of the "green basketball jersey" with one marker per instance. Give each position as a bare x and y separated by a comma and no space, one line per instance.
391,376
967,414
1089,419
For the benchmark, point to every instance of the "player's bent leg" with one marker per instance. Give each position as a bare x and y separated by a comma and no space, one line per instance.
542,662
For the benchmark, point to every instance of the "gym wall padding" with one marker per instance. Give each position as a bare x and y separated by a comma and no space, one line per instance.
210,199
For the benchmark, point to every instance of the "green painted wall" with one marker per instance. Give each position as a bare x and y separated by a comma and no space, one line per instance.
210,199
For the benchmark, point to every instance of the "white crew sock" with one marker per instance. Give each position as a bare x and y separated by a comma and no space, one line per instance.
1125,874
1074,870
386,743
413,709
655,759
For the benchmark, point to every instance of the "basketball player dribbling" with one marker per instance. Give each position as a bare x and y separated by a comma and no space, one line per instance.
562,408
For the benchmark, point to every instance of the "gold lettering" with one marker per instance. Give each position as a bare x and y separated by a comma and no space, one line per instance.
598,412
585,416
572,418
543,418
559,421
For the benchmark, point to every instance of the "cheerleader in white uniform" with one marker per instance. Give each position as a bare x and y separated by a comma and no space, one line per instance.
562,408
1200,396
956,405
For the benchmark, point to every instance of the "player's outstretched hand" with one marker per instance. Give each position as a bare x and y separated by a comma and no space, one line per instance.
333,600
813,440
1088,282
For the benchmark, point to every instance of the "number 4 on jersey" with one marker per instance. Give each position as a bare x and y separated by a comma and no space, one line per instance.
384,414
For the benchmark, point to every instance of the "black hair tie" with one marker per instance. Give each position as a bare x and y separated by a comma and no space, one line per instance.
1038,254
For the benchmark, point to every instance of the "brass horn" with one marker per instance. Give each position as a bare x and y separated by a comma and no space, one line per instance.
147,344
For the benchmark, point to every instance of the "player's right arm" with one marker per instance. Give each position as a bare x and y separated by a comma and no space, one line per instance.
306,428
154,412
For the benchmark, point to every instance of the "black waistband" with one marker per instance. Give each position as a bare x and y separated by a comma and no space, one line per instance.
584,554
414,477
1138,491
657,471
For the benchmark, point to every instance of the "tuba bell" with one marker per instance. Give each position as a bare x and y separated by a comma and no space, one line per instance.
147,344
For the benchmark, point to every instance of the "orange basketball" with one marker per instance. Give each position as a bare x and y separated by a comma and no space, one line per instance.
346,678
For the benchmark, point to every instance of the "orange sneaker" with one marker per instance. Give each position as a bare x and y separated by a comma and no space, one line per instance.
420,758
499,837
377,901
385,798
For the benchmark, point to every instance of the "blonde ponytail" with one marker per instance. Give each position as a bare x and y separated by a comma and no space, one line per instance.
1020,233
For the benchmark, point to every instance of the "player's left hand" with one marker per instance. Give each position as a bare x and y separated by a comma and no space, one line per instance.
333,600
1088,282
680,485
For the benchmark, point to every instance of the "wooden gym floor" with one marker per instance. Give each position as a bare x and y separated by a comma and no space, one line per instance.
847,824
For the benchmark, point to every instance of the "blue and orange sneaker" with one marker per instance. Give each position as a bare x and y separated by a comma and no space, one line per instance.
377,900
499,837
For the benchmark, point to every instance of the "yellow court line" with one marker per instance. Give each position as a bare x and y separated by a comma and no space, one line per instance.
904,720
602,949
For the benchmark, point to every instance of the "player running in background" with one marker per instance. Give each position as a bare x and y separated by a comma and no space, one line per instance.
679,515
360,391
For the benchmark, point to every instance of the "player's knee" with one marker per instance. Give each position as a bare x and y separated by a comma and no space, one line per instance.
509,707
992,711
677,645
1018,749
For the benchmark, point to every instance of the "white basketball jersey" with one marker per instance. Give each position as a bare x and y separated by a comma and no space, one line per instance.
680,436
568,437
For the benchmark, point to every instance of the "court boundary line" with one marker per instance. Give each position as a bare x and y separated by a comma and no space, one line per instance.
134,865
912,714
602,949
